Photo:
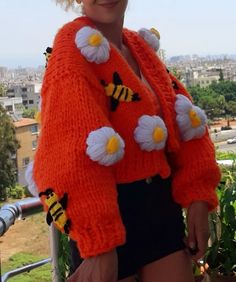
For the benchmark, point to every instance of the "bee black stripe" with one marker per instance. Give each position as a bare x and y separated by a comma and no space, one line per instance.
121,92
59,209
114,91
56,218
127,93
52,206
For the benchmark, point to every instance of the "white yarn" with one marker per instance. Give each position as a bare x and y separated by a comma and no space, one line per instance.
29,179
143,133
182,107
150,38
96,146
97,54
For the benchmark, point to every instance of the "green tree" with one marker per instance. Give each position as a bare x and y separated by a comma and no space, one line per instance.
177,73
231,108
29,113
225,88
221,75
8,147
3,90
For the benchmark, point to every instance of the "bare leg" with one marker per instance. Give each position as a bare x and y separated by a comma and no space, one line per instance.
128,279
176,267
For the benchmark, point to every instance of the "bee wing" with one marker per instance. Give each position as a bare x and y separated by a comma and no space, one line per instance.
49,218
63,201
114,104
116,79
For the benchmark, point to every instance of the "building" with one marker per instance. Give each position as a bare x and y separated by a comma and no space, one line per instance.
27,131
204,81
162,55
13,106
28,92
3,73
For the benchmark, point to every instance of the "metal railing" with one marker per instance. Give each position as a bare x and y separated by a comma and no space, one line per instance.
9,213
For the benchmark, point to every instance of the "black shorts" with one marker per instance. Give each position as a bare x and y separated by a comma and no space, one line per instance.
153,221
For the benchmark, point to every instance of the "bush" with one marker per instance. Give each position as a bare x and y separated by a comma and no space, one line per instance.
221,255
17,192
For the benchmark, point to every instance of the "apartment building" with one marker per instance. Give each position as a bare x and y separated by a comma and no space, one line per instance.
13,106
28,92
27,131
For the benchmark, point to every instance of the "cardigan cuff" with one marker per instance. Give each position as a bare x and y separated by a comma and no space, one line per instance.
208,194
99,238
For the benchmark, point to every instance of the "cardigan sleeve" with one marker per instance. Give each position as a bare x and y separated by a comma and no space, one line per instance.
195,170
69,114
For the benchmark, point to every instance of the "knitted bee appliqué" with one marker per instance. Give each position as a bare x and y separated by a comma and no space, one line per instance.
56,209
119,92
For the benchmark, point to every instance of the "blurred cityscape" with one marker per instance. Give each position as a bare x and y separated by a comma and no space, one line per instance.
20,94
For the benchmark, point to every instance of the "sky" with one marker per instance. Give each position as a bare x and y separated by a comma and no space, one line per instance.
201,27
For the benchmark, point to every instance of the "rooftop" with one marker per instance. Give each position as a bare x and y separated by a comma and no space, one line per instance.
24,122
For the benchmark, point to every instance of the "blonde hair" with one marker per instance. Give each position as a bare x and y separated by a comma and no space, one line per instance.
66,4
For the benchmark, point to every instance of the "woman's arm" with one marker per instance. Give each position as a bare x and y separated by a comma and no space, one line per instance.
62,163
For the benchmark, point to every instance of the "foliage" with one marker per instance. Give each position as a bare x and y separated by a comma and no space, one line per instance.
8,148
16,192
221,255
225,88
29,113
218,99
3,90
177,73
225,155
221,75
64,256
42,274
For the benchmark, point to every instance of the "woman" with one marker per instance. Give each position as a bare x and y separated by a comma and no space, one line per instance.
120,136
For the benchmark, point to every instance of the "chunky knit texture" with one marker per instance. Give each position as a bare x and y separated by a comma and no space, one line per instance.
75,103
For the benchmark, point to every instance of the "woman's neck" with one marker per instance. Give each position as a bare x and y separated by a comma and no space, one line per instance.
113,32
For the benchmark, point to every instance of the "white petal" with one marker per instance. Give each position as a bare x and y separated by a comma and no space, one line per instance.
96,151
96,143
150,38
81,38
97,54
147,122
182,104
160,146
32,187
143,133
147,146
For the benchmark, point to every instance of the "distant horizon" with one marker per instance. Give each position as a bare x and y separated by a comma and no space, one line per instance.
186,27
14,62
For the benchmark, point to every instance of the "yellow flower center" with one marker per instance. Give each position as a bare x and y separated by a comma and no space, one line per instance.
158,134
95,40
194,118
113,145
155,32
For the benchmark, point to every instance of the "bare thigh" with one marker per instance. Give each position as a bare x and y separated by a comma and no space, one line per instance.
128,279
175,267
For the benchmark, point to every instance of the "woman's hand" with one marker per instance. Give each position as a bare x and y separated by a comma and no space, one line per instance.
102,268
198,229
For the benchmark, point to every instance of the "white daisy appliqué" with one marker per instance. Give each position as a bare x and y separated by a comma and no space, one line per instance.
152,37
191,119
93,45
105,146
29,179
151,133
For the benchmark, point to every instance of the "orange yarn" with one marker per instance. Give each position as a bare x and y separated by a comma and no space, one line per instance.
75,103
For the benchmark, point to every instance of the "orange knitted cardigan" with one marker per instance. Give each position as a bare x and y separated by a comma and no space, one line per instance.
74,104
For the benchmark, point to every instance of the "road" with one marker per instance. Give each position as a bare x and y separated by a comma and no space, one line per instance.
224,147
